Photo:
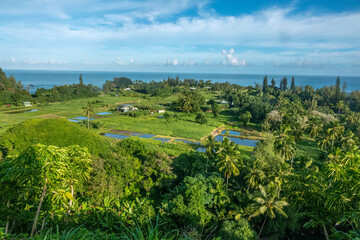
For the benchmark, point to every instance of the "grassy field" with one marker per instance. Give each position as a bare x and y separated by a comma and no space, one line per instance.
184,126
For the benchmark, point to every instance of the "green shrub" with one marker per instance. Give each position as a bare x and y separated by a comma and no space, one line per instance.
236,230
58,132
200,118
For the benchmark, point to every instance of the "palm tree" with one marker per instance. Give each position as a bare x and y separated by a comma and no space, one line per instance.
324,143
255,177
341,107
335,132
230,159
315,127
349,142
267,203
88,112
209,144
285,144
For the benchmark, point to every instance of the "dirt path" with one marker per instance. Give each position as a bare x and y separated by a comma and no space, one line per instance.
217,131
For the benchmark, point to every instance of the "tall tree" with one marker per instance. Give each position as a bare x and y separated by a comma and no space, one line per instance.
265,84
88,112
335,132
285,83
292,87
285,144
209,144
267,202
230,159
215,109
273,82
337,90
81,80
344,87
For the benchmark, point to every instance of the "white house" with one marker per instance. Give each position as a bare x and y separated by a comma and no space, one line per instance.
126,108
127,89
27,104
161,111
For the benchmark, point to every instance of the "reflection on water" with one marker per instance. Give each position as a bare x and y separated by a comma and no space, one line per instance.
232,133
163,139
103,113
118,136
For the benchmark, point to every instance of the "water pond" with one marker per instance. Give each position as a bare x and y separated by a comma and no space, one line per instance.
33,110
146,136
201,149
22,111
244,142
163,139
103,113
82,118
124,132
231,133
239,141
117,136
73,120
184,141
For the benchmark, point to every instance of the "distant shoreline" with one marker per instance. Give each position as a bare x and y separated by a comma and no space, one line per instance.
49,78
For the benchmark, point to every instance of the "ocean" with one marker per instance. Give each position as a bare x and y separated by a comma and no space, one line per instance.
47,79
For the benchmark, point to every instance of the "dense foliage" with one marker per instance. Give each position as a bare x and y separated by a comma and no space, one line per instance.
12,92
301,180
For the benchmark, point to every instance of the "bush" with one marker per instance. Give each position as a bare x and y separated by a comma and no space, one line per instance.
200,118
236,230
58,132
245,118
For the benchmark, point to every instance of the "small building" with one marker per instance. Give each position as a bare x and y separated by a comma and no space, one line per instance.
126,108
192,88
27,104
123,109
127,89
221,101
161,111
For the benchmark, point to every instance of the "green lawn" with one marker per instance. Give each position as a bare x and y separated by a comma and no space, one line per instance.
184,126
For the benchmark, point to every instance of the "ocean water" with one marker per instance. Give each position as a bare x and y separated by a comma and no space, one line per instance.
47,79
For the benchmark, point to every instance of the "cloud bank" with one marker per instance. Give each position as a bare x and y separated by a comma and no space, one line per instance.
151,31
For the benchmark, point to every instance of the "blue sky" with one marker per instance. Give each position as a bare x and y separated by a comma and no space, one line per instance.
269,37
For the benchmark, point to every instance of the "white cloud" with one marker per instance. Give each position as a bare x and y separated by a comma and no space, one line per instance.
52,61
118,61
232,59
175,62
12,60
169,62
138,28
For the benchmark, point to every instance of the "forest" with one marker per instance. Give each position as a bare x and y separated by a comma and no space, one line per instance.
64,180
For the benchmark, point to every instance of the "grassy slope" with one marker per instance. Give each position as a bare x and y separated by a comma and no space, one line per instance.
184,127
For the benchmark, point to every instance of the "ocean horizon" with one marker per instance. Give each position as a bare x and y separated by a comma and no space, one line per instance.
50,78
